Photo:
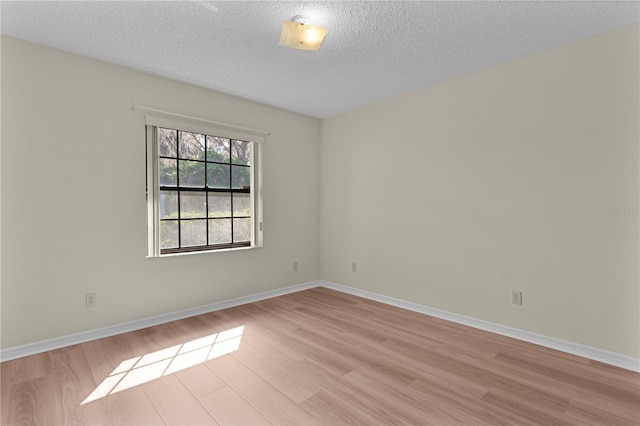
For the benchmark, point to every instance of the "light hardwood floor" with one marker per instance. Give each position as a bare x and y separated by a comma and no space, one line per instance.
315,357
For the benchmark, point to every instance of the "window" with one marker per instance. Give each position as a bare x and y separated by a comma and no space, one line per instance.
203,189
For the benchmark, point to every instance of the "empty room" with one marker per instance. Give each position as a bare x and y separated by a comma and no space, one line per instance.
320,213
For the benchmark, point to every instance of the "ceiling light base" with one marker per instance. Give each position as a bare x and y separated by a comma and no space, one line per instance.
298,34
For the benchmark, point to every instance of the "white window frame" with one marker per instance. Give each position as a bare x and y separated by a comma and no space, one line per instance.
156,119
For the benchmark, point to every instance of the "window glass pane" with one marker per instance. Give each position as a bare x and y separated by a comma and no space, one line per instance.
241,204
219,205
192,204
217,149
192,146
217,175
167,142
168,172
189,166
191,173
219,231
241,152
240,176
168,234
168,205
241,230
193,232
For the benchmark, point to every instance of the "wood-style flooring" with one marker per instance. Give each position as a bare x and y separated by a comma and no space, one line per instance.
317,357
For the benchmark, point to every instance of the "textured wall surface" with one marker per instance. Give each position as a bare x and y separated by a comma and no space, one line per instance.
73,197
524,176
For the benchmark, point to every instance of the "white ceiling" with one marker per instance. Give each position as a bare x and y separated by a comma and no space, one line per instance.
373,50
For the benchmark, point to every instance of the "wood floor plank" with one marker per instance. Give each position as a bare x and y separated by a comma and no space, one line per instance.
366,356
265,338
104,355
131,407
279,319
335,322
175,404
347,407
297,348
465,409
228,408
577,374
360,398
330,409
36,366
271,333
326,301
260,394
581,413
11,373
504,344
27,404
404,408
402,319
200,380
72,385
276,371
539,409
574,383
193,328
22,370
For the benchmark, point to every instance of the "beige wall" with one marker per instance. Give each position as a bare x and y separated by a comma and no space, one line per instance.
73,197
454,195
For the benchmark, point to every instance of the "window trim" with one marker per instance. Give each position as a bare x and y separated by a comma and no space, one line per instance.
194,125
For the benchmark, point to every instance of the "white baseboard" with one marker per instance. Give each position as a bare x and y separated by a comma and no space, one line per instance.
607,357
112,330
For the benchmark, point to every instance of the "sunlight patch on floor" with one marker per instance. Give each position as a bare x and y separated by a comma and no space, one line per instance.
145,368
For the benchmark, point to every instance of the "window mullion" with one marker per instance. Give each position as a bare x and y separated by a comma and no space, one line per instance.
231,187
206,190
178,137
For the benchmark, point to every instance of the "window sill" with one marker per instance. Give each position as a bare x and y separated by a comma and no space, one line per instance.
191,253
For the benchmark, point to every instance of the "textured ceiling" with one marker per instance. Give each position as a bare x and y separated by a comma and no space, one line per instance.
373,50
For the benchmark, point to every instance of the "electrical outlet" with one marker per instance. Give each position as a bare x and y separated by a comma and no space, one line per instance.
295,266
90,300
516,297
354,267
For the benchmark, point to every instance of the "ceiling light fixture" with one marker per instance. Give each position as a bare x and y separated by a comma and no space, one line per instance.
298,34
